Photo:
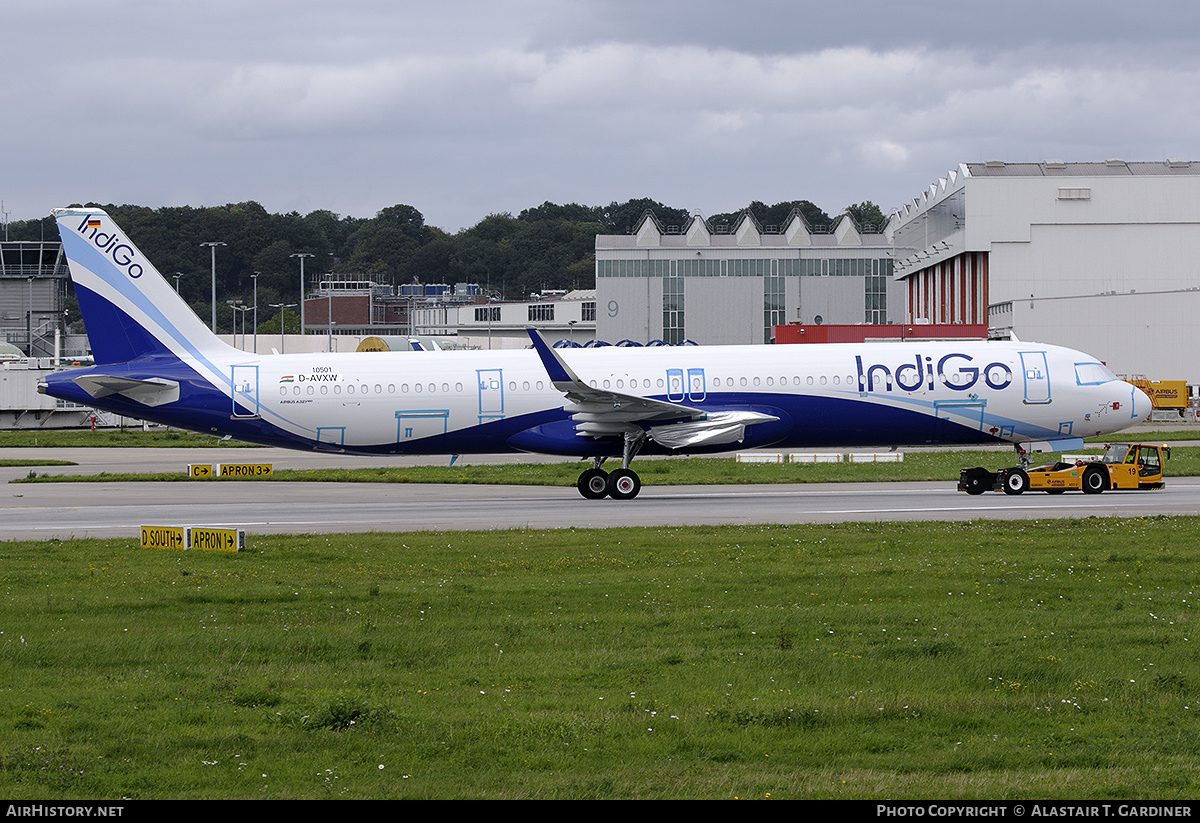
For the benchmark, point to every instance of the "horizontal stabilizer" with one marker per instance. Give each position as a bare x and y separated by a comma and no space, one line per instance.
153,392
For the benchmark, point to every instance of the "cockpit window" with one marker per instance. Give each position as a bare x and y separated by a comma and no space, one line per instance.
1093,374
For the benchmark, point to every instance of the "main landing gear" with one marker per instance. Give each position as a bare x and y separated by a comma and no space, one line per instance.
619,484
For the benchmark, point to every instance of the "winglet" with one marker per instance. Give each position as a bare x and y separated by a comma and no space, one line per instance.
556,368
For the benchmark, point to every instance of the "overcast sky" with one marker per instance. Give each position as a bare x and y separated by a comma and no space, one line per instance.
464,109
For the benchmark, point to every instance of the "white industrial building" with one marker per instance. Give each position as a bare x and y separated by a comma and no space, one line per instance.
1102,257
569,316
715,285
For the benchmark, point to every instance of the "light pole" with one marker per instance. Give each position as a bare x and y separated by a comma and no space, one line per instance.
243,309
212,245
235,305
30,317
302,255
283,307
177,275
254,277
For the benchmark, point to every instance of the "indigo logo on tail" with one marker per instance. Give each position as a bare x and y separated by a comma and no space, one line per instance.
122,254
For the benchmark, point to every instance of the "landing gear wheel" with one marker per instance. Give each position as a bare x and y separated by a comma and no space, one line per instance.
1016,482
1095,480
593,484
624,484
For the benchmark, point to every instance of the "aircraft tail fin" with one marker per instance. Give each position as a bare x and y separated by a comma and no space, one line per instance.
129,309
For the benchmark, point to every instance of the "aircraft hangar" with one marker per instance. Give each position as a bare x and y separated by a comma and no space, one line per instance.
734,284
1103,257
1099,256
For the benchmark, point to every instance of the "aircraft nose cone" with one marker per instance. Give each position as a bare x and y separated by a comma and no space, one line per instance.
1141,405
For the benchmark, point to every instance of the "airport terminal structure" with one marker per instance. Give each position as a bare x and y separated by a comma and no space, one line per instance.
33,334
33,286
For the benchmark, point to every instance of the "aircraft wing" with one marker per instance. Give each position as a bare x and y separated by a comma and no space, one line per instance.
603,412
715,429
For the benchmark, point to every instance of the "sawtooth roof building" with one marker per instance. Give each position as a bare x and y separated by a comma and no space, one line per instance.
734,284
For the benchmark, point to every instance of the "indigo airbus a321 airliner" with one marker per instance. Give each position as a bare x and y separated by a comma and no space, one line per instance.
157,361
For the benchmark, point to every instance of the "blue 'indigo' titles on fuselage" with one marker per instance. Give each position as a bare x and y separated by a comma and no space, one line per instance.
120,253
921,373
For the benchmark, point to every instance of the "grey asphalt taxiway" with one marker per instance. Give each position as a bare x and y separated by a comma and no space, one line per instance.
118,509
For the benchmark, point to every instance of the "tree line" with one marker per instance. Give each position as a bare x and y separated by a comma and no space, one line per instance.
549,246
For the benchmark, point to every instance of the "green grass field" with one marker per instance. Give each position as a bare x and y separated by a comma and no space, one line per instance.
989,660
20,462
939,465
173,438
1023,659
917,466
112,438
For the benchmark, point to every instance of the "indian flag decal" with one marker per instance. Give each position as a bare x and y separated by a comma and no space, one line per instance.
287,378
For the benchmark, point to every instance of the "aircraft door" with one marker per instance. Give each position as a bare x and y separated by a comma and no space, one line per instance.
491,394
419,424
691,387
244,384
1037,376
331,438
675,385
